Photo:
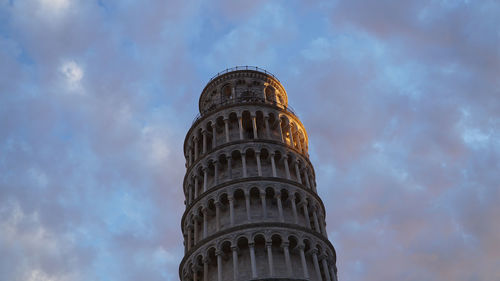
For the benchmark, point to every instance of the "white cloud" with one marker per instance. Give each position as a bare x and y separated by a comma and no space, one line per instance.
53,7
73,74
155,144
318,50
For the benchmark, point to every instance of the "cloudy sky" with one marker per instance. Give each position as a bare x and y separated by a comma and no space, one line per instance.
401,100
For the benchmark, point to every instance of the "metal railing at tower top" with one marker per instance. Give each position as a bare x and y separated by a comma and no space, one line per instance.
243,67
239,101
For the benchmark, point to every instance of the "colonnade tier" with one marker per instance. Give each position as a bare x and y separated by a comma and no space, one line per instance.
265,249
235,188
254,202
242,85
242,160
244,122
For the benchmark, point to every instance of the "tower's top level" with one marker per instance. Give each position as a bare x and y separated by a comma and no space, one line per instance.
242,84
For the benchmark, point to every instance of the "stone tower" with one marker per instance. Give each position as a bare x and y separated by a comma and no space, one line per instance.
252,210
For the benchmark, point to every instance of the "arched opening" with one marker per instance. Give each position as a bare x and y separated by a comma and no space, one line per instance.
260,255
233,127
224,211
278,255
272,122
226,93
270,96
243,256
265,162
272,209
239,206
211,217
220,131
212,264
295,256
236,164
251,162
247,125
255,204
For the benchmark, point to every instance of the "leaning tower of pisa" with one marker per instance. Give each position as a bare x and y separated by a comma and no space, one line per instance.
252,210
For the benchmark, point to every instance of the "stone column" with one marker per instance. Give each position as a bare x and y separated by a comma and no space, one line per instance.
322,224
291,136
313,184
254,124
273,165
195,273
333,271
195,229
306,214
287,170
190,194
233,93
314,253
252,259
294,209
287,258
206,260
217,215
303,260
247,205
190,158
204,135
316,222
263,201
325,267
196,186
205,226
189,228
280,207
240,126
216,172
259,168
306,176
231,209
219,265
244,164
268,131
281,131
297,172
195,148
214,136
235,262
269,245
229,168
299,144
205,178
226,129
